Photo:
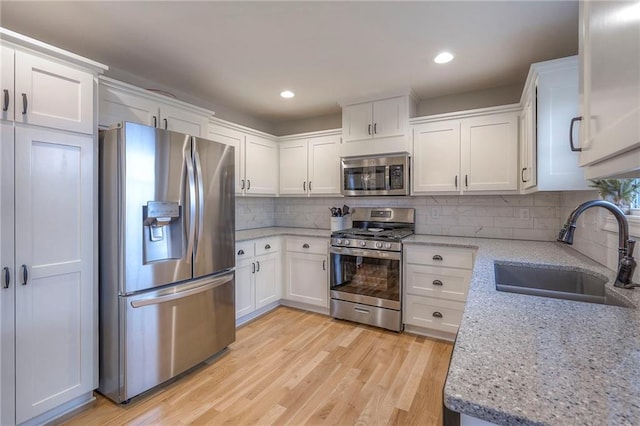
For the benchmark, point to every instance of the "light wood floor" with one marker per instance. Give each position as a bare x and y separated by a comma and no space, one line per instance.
295,367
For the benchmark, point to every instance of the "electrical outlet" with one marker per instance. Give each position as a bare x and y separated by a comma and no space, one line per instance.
524,214
435,211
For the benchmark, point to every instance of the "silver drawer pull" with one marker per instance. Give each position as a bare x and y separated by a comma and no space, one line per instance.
437,257
267,247
305,245
362,311
240,252
436,282
437,315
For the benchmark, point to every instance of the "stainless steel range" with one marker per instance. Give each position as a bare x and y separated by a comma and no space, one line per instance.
366,267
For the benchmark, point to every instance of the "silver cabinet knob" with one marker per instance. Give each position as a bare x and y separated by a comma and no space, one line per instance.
363,243
378,244
387,245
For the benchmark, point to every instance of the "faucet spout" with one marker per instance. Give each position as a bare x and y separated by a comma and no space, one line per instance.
626,264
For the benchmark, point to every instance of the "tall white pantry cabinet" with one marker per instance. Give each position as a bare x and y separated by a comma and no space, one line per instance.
48,200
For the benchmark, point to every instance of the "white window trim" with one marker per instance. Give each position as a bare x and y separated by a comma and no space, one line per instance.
611,225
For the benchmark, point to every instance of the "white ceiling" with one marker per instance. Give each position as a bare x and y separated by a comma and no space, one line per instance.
242,54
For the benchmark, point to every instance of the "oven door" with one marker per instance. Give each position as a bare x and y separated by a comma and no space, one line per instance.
369,277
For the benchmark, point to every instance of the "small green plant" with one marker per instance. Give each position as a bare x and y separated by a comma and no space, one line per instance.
620,192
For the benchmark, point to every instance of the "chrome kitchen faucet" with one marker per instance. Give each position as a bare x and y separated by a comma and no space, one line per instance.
626,263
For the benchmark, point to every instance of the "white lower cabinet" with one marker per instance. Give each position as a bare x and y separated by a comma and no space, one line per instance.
306,269
435,289
257,275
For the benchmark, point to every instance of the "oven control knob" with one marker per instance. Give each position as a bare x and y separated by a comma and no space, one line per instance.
338,241
387,245
378,245
347,242
363,243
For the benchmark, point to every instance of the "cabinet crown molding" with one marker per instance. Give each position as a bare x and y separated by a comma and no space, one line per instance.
466,114
120,85
14,39
379,96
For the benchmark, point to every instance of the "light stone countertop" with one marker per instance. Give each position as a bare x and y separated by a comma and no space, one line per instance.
528,360
275,231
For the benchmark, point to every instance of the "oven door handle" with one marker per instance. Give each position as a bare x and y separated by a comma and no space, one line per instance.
377,254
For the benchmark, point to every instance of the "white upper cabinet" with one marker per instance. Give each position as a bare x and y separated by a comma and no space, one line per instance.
436,157
476,152
123,102
377,127
550,102
293,167
6,82
45,92
256,157
310,165
489,152
528,146
610,89
234,138
324,165
261,159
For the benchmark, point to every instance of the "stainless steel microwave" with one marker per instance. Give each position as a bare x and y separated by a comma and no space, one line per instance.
375,175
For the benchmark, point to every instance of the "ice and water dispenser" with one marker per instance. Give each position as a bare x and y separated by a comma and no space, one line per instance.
162,228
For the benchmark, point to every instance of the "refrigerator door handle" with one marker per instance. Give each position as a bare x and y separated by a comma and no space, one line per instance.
192,202
200,184
216,282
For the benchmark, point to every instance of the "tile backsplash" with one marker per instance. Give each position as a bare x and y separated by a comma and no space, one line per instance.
527,217
530,217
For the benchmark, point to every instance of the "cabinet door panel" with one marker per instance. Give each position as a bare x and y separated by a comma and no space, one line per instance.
179,120
54,239
245,296
357,122
261,166
389,117
293,167
528,153
267,283
236,140
324,165
57,96
611,81
436,157
490,152
7,346
117,106
6,82
307,279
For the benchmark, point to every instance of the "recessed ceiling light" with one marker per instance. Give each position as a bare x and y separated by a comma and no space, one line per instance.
287,94
443,58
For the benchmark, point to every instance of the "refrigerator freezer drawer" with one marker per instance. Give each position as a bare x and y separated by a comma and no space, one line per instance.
170,331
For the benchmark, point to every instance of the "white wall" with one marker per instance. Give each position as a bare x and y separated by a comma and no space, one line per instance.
471,100
324,122
220,111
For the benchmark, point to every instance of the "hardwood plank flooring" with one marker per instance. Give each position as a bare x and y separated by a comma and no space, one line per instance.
292,367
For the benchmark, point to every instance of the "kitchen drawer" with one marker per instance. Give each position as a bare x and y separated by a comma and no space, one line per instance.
267,245
439,282
448,257
436,314
244,250
308,245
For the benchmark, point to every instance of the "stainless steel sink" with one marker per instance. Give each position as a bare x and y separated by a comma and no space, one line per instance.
555,282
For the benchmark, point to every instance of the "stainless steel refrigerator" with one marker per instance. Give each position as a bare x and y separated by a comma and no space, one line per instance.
167,284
